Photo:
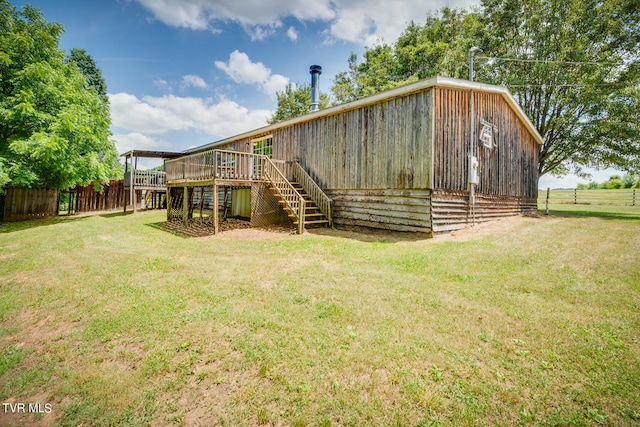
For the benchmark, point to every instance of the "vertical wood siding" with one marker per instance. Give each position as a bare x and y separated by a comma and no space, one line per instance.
508,169
379,146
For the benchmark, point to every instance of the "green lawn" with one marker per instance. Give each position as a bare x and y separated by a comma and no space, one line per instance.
528,321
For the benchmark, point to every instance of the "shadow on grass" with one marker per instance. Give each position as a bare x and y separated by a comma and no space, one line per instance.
116,214
370,235
162,227
10,227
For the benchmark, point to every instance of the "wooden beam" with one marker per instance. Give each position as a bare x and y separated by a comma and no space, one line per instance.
185,206
169,204
215,209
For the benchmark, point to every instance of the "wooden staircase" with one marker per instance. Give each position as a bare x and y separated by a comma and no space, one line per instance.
313,218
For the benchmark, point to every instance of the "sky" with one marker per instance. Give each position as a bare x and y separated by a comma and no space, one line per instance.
183,73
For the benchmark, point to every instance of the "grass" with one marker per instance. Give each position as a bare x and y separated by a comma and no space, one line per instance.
113,321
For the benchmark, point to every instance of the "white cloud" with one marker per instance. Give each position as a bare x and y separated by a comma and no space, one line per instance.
129,112
292,33
158,115
261,32
242,70
191,80
360,21
199,14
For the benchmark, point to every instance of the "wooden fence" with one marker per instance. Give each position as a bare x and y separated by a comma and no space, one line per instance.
26,203
625,197
90,200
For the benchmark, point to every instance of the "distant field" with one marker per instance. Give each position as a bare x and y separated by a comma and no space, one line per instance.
626,197
527,321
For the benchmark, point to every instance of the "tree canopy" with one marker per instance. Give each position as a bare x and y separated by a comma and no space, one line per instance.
90,70
54,126
295,101
573,65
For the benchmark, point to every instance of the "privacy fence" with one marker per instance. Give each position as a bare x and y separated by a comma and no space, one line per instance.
19,203
26,203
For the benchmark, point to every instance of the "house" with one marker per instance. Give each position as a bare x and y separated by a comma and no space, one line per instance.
429,157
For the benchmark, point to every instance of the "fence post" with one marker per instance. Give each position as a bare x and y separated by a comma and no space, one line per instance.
634,197
547,204
575,196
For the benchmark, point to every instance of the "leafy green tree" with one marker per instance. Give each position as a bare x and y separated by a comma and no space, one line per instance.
573,65
613,183
90,70
295,101
439,47
54,131
631,180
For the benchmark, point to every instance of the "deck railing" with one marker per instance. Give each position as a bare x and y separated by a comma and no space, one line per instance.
313,190
294,201
146,178
215,164
236,165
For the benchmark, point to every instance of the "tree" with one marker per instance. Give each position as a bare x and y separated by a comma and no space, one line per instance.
613,183
631,180
54,131
295,101
439,47
90,70
572,65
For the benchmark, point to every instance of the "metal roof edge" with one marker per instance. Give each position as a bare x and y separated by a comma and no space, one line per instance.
382,96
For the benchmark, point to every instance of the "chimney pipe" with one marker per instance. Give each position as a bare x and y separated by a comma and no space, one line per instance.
315,71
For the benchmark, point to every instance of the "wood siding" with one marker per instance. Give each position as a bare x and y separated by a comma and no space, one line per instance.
508,169
450,209
401,163
398,210
380,146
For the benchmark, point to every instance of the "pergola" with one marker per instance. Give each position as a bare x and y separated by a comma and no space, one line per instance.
135,179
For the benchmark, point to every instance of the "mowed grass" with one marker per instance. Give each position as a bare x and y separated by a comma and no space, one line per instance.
528,321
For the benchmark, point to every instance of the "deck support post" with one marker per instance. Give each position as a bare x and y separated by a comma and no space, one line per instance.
169,201
185,206
215,209
132,183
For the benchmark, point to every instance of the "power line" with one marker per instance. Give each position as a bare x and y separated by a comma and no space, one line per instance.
549,61
570,85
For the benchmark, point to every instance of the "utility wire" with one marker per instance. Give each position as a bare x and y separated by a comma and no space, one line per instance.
549,61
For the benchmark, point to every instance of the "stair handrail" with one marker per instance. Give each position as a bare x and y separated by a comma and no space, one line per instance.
287,192
314,191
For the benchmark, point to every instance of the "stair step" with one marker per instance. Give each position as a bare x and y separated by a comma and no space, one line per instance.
320,221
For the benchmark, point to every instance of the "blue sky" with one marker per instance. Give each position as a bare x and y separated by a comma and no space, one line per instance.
182,73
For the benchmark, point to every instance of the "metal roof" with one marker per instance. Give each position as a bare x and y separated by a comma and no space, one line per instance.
381,97
153,154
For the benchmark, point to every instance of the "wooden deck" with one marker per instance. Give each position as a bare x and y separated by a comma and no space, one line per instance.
220,168
146,180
